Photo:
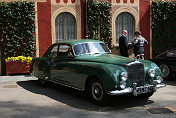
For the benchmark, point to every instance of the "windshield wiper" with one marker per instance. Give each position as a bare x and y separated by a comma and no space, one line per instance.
108,52
98,53
92,53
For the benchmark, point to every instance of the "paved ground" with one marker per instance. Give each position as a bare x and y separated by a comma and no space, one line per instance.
23,97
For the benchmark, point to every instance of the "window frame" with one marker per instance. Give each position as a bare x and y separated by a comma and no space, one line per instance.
118,32
63,27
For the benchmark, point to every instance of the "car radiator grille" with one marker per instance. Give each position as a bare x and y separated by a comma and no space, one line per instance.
136,74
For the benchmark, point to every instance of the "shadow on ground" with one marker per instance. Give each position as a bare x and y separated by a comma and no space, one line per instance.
171,82
78,99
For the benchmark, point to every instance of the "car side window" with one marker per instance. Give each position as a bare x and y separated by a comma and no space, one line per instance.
171,53
65,51
54,52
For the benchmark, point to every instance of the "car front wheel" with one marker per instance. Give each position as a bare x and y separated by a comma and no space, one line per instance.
166,70
96,92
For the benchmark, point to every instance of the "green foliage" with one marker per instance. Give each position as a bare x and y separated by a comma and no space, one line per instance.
17,26
99,21
163,26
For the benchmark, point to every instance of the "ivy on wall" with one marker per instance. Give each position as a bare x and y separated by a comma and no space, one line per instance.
99,21
163,26
17,26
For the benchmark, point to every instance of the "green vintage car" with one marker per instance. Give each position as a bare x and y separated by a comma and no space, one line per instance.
89,65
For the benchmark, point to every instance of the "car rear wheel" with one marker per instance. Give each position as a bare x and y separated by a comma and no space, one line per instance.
96,92
43,81
166,70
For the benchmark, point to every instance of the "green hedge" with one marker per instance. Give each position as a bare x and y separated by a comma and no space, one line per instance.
163,26
99,21
17,26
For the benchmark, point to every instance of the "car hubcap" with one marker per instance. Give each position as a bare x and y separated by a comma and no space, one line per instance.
165,70
97,91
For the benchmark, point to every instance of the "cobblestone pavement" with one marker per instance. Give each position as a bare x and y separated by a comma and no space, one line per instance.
23,97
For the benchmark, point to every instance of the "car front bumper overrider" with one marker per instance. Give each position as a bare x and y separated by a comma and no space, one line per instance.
137,90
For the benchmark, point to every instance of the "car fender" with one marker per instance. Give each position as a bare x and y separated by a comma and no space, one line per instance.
108,74
37,67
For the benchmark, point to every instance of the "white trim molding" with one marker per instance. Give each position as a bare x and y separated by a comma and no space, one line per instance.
36,31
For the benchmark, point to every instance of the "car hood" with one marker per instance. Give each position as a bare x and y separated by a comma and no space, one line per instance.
105,58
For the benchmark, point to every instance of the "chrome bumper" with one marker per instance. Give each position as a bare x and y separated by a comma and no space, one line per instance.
134,89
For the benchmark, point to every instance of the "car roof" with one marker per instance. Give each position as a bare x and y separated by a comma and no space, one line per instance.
77,41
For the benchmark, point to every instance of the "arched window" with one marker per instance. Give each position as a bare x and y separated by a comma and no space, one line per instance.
65,25
125,21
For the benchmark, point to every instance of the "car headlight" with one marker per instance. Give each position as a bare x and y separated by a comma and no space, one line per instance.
122,84
124,76
159,79
152,73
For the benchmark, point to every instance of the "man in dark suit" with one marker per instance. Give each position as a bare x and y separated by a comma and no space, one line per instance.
123,44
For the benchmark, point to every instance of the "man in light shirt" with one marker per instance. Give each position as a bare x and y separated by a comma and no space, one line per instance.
138,43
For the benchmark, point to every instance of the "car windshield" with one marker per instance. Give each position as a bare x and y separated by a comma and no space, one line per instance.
171,53
91,48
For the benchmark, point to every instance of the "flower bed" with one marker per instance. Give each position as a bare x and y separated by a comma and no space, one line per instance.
19,59
18,65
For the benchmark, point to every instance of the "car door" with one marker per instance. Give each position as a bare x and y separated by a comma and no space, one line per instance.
61,65
67,71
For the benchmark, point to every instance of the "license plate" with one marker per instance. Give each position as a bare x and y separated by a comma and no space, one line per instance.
144,89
